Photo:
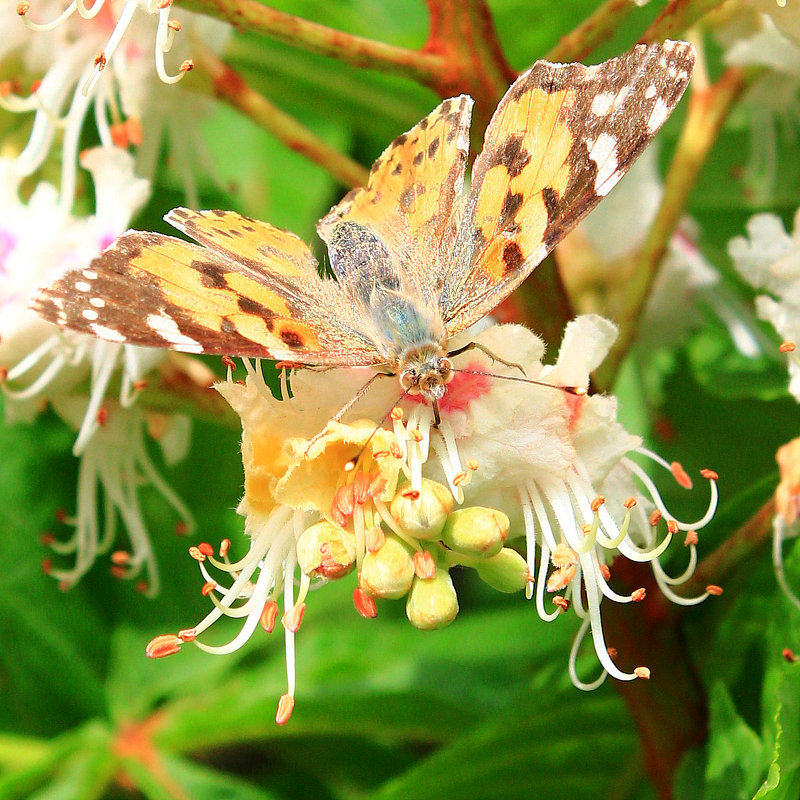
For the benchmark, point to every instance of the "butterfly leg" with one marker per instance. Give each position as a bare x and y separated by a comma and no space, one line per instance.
486,351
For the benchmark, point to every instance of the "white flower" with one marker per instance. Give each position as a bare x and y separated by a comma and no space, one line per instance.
333,497
769,259
102,56
114,468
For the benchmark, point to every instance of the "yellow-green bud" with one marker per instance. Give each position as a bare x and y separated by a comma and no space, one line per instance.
389,570
326,551
476,531
432,602
422,515
506,572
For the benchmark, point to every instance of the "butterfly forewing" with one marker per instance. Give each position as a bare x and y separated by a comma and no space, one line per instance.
561,138
158,291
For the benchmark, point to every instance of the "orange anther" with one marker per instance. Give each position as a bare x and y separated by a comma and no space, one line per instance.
118,572
224,547
605,571
343,504
47,565
208,587
269,615
680,475
789,655
597,502
655,518
638,595
47,539
293,617
164,645
564,556
285,708
612,651
134,130
23,7
786,347
714,590
364,603
141,586
630,502
672,526
561,602
119,135
424,565
411,494
100,61
196,553
102,416
472,464
415,434
709,474
181,528
187,65
691,538
586,528
206,549
228,362
35,86
120,557
361,486
561,578
642,672
174,25
396,413
187,634
460,478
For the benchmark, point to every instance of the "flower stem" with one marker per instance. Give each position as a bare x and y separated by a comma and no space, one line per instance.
358,51
708,109
231,87
677,17
595,29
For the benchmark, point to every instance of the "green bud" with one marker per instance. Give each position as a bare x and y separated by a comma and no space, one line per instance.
506,572
432,602
422,517
476,531
389,570
326,551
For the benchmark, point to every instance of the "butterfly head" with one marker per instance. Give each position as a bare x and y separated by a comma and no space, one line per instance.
425,370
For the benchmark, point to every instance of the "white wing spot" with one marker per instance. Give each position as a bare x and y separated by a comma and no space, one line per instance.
602,104
89,313
89,274
657,115
82,286
650,91
604,155
167,329
107,333
97,302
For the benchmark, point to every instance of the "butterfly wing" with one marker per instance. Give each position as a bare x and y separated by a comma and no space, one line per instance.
560,140
158,291
402,220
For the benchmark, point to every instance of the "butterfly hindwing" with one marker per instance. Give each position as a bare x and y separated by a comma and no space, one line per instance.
561,138
158,291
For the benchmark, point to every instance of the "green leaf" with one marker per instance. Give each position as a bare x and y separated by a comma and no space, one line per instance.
783,779
735,753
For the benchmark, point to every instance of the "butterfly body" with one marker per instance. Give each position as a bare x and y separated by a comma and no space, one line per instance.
416,259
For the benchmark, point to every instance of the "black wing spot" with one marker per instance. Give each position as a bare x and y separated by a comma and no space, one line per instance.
407,199
418,158
433,147
219,213
226,326
513,156
552,203
512,257
292,339
511,205
212,275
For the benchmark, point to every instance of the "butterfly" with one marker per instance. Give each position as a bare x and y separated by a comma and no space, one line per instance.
416,259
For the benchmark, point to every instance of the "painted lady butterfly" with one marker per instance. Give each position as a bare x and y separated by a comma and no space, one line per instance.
415,259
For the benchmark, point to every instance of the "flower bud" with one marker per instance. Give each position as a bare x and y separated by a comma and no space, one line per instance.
388,571
506,572
432,602
423,516
476,531
326,551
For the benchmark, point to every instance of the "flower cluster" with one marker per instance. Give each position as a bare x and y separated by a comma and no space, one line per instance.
41,364
539,469
53,68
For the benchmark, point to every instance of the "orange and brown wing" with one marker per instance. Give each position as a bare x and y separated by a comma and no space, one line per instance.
560,140
403,219
157,291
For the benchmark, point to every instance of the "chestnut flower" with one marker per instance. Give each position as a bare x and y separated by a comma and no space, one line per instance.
401,503
40,363
769,259
112,56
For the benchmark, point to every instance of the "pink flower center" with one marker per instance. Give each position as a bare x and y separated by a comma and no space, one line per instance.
462,390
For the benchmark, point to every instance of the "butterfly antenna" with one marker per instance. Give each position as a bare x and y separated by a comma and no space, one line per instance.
353,462
578,391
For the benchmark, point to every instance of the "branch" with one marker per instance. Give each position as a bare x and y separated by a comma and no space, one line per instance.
229,86
708,109
358,51
677,17
602,24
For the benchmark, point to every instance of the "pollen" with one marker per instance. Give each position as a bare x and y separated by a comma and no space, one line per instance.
655,518
642,672
638,595
269,615
364,603
786,347
714,590
597,502
165,645
709,474
285,708
691,538
680,475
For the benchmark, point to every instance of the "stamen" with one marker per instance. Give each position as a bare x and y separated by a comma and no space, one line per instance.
269,616
364,603
165,645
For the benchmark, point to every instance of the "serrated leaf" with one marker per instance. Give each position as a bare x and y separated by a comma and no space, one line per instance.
735,753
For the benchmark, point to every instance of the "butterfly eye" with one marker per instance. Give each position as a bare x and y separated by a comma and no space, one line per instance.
445,369
409,379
